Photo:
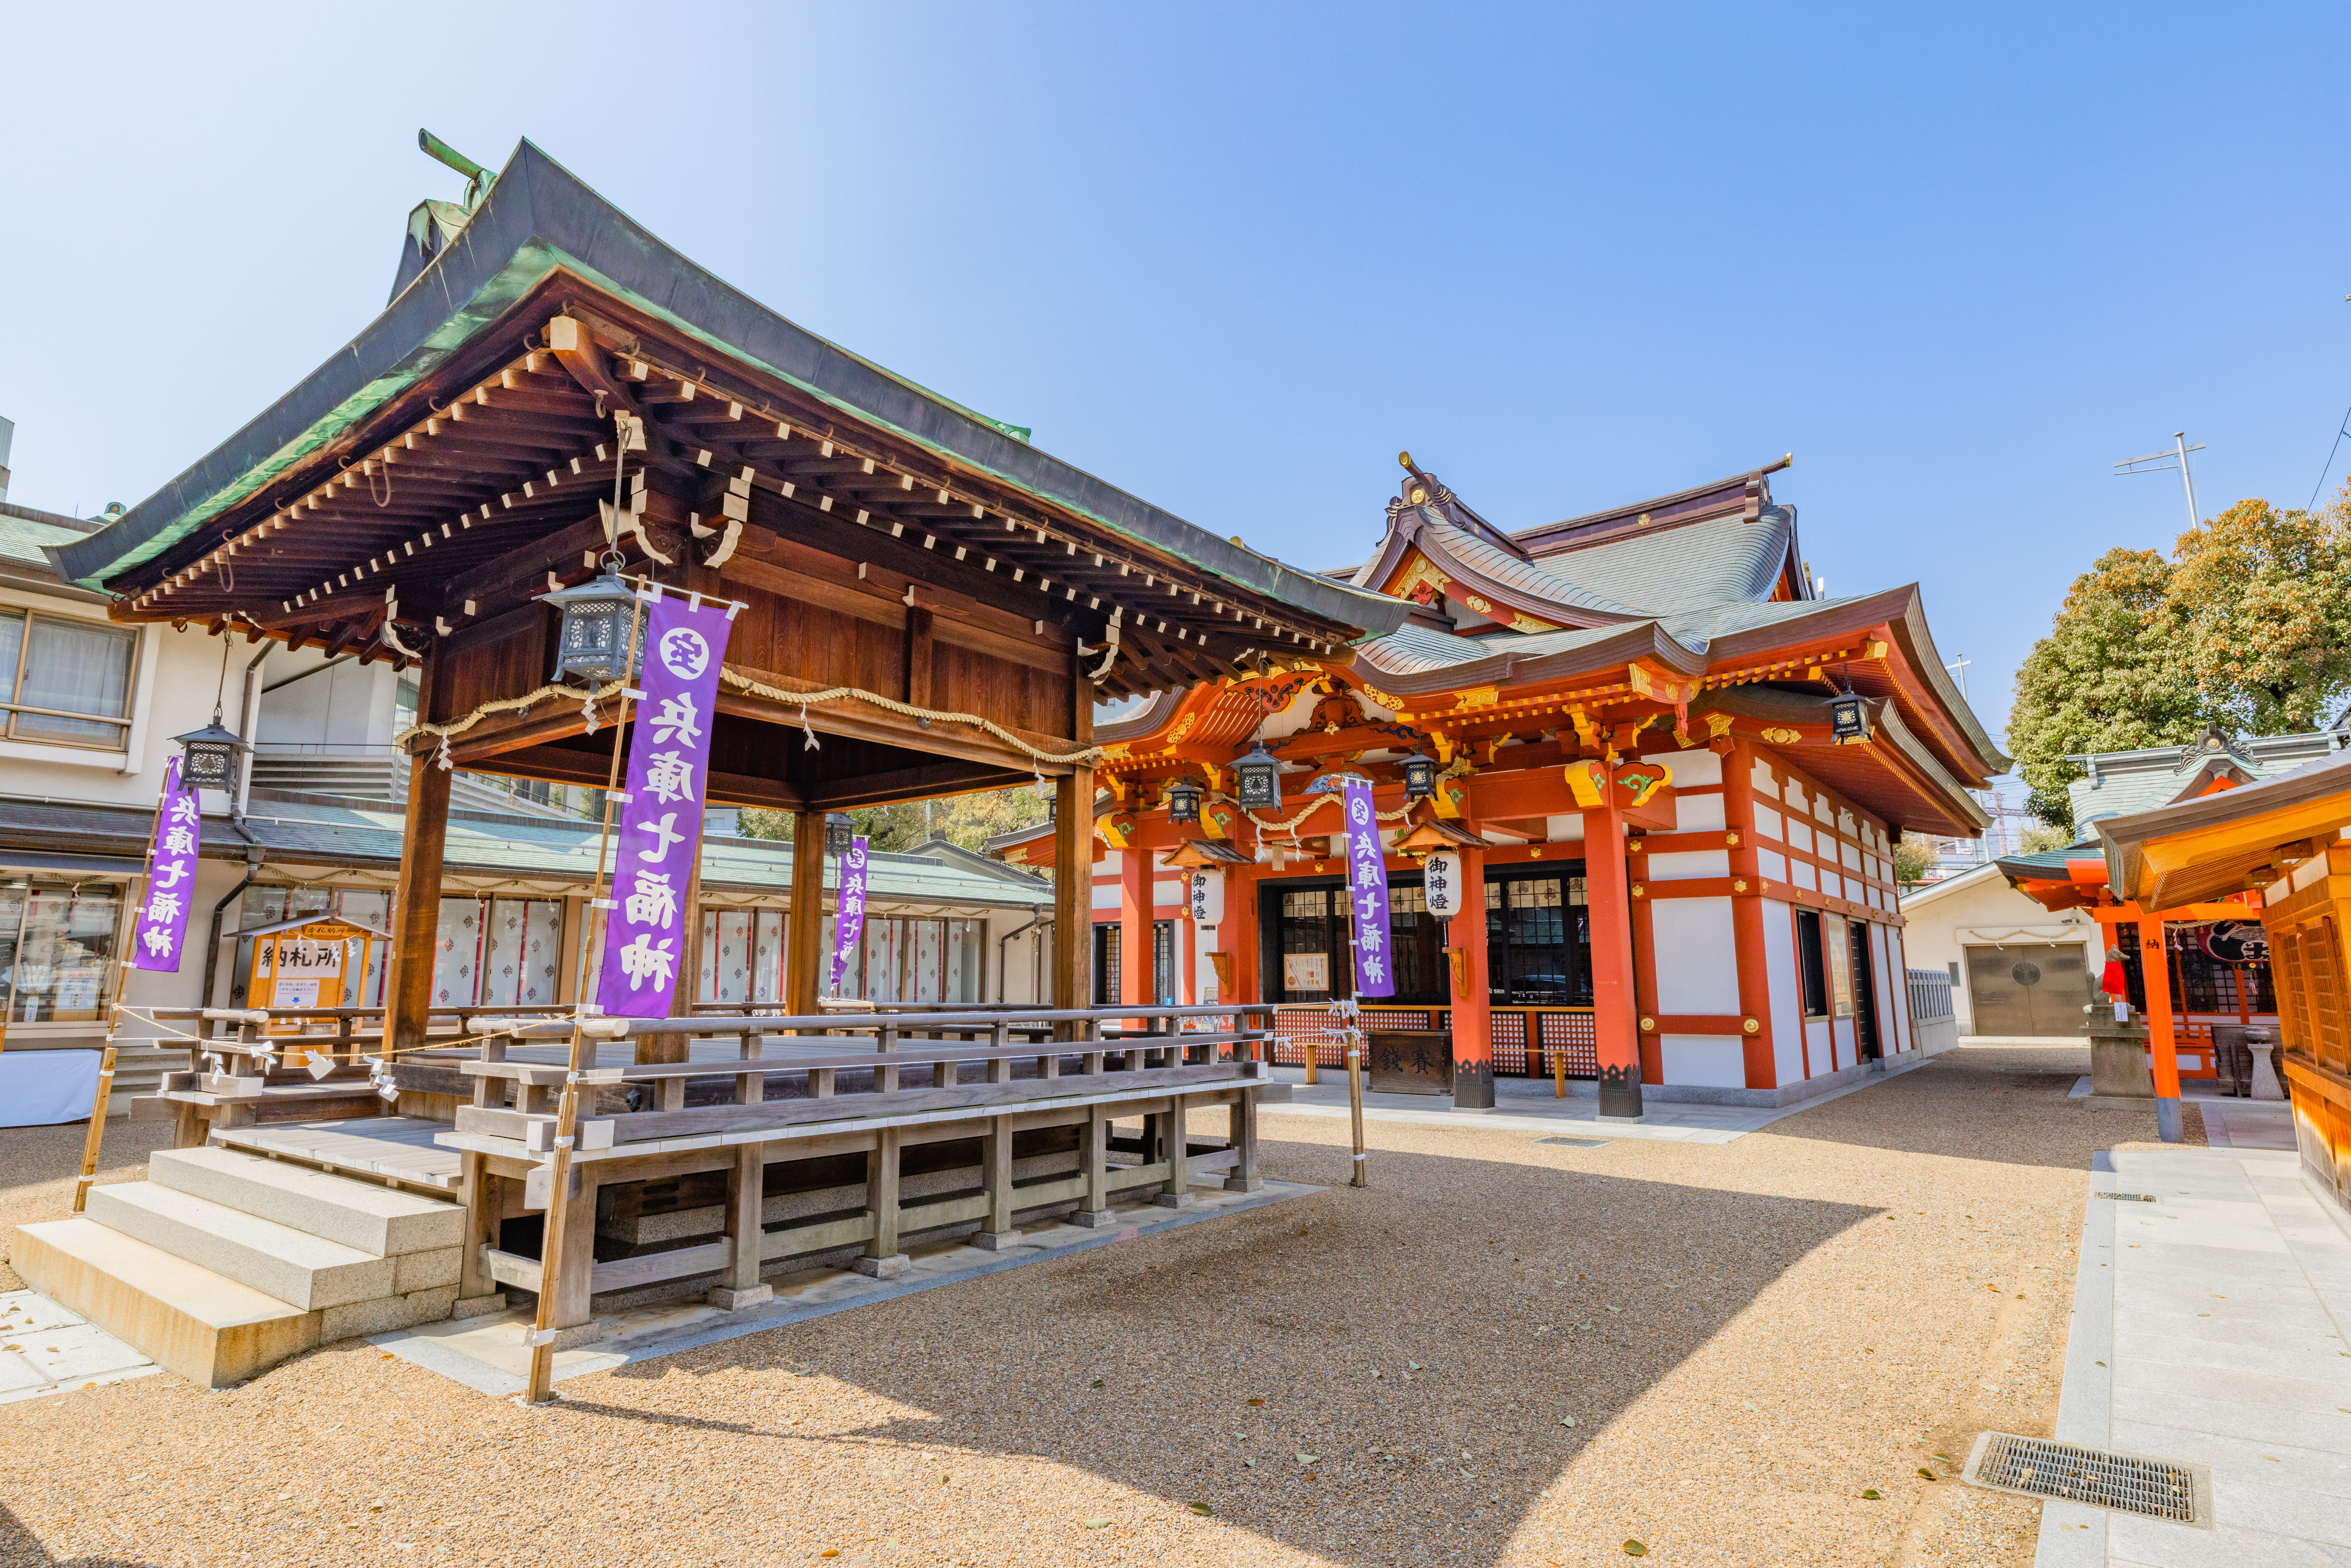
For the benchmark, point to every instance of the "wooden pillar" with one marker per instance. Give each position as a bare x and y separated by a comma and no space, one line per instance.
1135,927
573,1290
1177,1191
1473,1015
416,895
997,1231
1244,1176
1187,951
2162,1050
1615,1023
804,954
1759,1060
745,1207
484,1207
1093,1160
883,1258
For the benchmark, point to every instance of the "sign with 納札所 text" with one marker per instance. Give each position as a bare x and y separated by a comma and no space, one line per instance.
661,822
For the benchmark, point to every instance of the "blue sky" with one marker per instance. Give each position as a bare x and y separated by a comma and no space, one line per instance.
1233,257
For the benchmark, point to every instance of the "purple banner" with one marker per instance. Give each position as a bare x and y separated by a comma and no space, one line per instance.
1367,887
170,876
849,917
661,820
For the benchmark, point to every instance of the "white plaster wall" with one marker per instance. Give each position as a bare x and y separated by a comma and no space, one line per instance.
1164,894
1564,828
1787,999
1690,769
1820,1046
1697,813
1939,916
1799,836
1713,1060
1894,945
1893,991
1204,939
1106,892
1802,872
1697,957
1767,821
1761,777
351,705
1773,866
1683,865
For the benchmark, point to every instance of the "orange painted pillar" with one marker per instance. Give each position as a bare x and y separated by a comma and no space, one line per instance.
1135,929
1473,1015
2162,1050
1615,1022
1759,1060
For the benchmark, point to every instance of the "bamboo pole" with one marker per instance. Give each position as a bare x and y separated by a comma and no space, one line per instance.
89,1148
567,1114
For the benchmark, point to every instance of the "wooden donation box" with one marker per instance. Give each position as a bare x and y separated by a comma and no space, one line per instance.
1410,1061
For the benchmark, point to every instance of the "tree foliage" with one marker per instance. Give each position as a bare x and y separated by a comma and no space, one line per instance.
965,821
2113,675
2269,628
1914,857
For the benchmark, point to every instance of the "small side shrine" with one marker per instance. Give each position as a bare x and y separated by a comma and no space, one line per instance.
2273,850
319,961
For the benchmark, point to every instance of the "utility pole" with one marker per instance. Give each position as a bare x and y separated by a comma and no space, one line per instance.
2163,462
1959,667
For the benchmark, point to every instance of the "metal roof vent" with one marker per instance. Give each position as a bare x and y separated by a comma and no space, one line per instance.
2038,1467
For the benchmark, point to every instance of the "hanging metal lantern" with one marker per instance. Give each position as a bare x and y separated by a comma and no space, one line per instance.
209,756
1420,777
1849,719
839,828
1257,780
1184,803
593,640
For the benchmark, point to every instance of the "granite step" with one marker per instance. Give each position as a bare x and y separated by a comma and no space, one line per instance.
188,1318
378,1220
297,1268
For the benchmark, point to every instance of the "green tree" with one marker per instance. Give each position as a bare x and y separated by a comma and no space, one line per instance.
2264,596
1914,857
2113,675
966,821
2040,840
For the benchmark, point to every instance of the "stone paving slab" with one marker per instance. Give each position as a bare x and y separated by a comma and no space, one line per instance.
2225,1344
44,1349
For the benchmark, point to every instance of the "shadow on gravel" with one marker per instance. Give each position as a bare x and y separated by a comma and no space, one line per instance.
20,1548
1957,1105
1495,1300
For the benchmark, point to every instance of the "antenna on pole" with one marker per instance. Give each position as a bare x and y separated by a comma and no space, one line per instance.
2164,463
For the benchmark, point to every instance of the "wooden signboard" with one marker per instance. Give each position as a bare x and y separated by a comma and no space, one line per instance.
1410,1062
311,965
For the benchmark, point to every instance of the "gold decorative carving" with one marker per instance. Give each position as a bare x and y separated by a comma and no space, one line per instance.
1648,1026
1750,1026
1418,570
1778,737
1476,696
1478,604
1717,724
1175,736
1522,622
1730,839
1393,704
1116,748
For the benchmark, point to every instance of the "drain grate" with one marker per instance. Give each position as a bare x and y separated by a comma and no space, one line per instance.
1577,1143
2036,1467
2126,1196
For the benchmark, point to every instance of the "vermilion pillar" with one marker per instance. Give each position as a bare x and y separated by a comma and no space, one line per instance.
1614,1024
2162,1050
1473,1019
1135,927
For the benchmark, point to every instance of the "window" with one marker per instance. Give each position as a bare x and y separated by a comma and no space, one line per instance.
1106,966
56,947
1812,966
68,682
1838,942
1163,961
1538,940
903,959
743,955
1306,934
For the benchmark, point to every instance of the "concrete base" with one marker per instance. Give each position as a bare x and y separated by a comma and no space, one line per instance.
1174,1200
735,1301
994,1240
1096,1218
883,1267
1244,1184
478,1306
210,1329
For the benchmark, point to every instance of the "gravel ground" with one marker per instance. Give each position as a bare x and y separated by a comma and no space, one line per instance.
1750,1340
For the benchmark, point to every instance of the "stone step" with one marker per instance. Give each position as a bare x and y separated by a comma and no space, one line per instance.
297,1268
211,1330
364,1216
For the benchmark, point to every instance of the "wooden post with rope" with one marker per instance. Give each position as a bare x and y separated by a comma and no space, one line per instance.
89,1147
567,1114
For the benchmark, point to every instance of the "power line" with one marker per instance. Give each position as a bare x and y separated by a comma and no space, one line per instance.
2341,430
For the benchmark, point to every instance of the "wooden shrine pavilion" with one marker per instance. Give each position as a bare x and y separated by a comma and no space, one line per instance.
927,604
1673,772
